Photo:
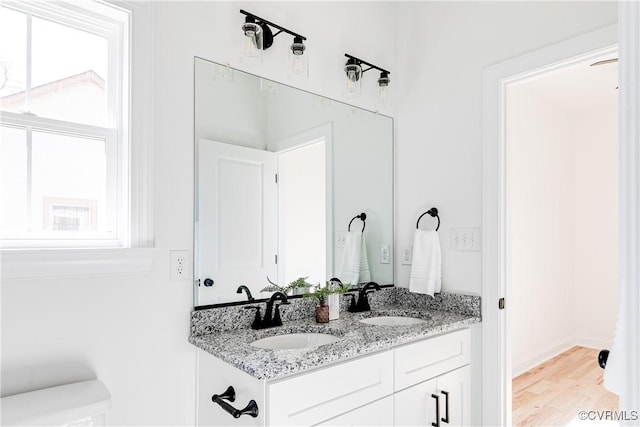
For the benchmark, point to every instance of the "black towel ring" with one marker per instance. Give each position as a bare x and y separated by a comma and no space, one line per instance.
362,217
434,213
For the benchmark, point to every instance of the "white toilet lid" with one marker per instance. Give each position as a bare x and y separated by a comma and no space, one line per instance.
56,406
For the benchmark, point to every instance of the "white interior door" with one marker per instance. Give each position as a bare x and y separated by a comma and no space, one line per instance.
237,219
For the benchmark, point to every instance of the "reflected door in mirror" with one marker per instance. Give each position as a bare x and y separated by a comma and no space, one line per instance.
237,218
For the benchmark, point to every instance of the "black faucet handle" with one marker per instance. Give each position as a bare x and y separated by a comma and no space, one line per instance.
352,305
277,320
257,320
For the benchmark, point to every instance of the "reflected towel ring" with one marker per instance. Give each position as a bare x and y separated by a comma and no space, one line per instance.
362,217
434,213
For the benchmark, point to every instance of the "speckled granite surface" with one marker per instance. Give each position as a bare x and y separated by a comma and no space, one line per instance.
233,346
222,319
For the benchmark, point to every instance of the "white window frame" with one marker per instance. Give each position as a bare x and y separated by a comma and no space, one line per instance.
132,250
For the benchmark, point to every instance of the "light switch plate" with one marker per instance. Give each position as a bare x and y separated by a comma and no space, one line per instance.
465,239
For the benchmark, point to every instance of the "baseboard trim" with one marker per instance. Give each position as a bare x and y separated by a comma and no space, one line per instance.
522,367
593,343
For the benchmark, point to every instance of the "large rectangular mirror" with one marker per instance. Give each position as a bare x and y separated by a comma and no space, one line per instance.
280,174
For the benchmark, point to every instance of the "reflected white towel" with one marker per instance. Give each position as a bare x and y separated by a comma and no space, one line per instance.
364,274
355,265
426,263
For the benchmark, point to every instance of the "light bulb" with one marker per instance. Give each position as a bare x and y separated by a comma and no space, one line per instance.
383,94
298,65
250,45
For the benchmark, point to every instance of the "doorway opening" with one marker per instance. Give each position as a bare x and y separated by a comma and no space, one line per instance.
562,238
497,328
302,205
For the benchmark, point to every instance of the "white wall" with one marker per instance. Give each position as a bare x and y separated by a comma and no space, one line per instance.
239,120
131,330
596,232
541,214
563,225
443,48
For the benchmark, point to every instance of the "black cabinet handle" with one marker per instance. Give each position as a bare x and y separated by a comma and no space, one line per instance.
437,398
446,407
208,282
230,395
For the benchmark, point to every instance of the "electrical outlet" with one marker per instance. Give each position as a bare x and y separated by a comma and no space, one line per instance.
341,239
465,239
405,253
384,254
179,261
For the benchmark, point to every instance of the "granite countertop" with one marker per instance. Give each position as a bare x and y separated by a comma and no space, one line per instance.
357,339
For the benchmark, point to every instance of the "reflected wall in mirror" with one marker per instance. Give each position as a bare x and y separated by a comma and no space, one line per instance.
280,172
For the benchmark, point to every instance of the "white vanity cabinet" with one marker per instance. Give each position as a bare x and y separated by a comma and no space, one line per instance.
450,393
391,387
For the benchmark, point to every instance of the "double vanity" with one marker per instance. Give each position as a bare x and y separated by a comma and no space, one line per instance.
405,362
306,166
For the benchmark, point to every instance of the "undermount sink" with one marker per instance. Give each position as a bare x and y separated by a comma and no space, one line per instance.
295,341
392,321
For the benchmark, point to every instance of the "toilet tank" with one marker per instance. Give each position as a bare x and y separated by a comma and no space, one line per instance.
79,404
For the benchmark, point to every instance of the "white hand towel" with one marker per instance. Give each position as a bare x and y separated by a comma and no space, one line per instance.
355,265
426,263
364,273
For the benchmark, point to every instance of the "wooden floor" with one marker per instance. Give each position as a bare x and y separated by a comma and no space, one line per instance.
553,393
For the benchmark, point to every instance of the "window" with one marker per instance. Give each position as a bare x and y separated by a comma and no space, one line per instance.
64,125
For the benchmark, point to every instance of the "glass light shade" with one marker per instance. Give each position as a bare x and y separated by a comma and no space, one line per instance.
298,60
354,81
383,88
252,43
383,95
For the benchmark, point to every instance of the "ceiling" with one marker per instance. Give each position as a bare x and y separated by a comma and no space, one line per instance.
579,87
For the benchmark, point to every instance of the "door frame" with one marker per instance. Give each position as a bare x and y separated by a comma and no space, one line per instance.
496,351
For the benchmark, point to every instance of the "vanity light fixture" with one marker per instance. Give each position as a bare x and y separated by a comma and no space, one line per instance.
354,71
259,37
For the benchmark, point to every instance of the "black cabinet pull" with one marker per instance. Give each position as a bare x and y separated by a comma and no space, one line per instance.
230,395
446,407
437,398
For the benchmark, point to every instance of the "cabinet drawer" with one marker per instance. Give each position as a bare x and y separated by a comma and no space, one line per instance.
427,359
310,398
375,414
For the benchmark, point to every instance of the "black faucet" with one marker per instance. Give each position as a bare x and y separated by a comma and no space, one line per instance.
363,301
268,321
271,318
247,291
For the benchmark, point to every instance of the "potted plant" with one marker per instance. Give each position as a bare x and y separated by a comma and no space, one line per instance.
322,294
297,287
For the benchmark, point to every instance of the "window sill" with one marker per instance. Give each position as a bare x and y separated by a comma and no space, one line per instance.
43,263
